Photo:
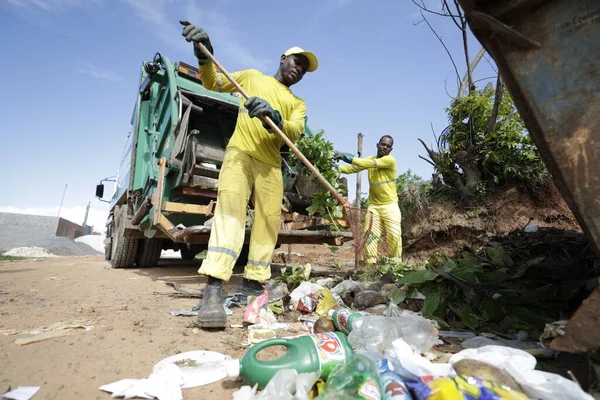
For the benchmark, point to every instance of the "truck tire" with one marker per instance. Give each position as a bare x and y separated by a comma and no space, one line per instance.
148,252
187,254
123,248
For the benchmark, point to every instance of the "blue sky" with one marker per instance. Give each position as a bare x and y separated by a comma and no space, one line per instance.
71,69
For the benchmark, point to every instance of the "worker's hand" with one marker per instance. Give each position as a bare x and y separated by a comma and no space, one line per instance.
197,35
347,157
258,107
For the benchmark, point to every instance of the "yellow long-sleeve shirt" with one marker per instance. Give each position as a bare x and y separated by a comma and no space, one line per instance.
249,135
382,177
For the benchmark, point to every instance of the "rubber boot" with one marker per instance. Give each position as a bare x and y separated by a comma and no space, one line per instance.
211,314
248,287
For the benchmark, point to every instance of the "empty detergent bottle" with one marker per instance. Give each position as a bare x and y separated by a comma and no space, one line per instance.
345,319
306,353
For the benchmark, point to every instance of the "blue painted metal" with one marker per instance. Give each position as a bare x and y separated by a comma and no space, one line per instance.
548,54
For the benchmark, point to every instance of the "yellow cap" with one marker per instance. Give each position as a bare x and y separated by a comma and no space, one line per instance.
312,59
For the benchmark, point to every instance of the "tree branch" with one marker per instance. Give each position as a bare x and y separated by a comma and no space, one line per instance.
429,161
424,8
459,26
443,44
463,23
495,109
486,78
492,65
465,80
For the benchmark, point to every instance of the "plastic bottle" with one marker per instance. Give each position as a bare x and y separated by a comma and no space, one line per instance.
345,319
375,334
306,353
392,385
356,379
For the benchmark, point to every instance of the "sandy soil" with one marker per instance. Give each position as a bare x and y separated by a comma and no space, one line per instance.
133,329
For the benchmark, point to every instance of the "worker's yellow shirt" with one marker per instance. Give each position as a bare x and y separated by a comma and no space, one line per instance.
382,177
249,135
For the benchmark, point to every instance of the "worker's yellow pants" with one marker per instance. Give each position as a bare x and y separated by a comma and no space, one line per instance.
386,217
240,177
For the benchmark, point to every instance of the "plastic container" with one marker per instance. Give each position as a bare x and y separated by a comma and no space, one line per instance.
345,319
356,379
375,334
307,353
392,385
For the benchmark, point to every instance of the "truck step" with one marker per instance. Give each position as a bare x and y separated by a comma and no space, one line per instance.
205,171
210,154
205,182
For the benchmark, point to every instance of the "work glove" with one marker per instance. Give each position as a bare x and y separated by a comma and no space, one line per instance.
258,107
347,157
197,35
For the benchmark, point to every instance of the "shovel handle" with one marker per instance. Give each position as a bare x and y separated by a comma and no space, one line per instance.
268,120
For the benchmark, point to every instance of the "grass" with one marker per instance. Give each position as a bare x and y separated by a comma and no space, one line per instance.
9,258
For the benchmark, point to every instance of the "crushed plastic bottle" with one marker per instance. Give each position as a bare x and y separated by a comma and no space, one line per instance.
374,334
392,385
358,378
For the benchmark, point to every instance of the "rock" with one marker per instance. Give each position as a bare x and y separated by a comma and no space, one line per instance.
323,324
387,289
368,298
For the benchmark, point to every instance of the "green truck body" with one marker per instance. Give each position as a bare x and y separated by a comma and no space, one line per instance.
166,184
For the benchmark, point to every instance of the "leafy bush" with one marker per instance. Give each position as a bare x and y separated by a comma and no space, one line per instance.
475,155
413,193
320,152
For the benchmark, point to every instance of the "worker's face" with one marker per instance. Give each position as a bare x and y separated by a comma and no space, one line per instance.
384,146
293,68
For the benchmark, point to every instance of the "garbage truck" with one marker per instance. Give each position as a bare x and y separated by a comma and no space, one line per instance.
165,190
547,55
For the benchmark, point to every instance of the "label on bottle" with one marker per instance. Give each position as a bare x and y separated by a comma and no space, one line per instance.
330,349
370,391
342,317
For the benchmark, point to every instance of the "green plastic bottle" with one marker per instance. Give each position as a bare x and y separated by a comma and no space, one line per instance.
345,319
306,353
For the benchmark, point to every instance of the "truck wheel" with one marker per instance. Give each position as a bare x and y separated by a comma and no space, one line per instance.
108,247
107,251
148,252
187,254
123,248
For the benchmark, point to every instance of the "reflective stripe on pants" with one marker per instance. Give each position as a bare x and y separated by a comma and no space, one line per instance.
386,217
242,177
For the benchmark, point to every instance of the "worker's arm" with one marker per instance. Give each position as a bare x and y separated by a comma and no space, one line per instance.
211,79
350,169
294,126
216,81
384,162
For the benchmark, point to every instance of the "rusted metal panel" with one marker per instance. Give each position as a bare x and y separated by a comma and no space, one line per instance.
581,333
549,60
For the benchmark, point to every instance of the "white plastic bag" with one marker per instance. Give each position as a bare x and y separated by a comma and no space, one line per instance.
411,365
286,384
521,366
304,289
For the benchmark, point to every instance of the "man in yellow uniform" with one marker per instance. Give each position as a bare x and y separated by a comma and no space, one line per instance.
251,169
383,197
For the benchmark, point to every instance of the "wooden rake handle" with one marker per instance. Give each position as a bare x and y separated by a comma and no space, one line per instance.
268,120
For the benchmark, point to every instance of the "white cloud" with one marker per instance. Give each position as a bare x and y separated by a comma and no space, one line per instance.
89,69
224,32
96,218
55,5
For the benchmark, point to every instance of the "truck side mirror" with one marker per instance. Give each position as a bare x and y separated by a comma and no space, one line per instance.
100,190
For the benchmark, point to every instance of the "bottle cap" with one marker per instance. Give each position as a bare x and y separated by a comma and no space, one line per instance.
233,368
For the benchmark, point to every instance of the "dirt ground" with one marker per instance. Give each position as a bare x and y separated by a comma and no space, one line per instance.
133,329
